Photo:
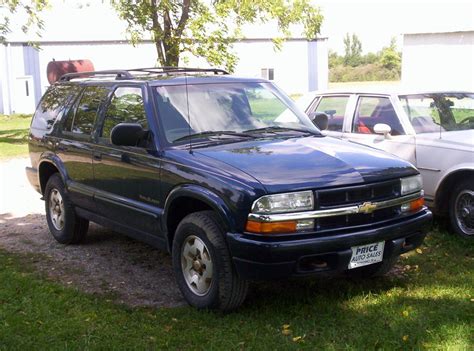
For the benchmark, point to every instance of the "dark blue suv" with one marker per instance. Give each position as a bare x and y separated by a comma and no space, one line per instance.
223,172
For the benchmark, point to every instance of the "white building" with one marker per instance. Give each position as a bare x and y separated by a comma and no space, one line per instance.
439,60
298,67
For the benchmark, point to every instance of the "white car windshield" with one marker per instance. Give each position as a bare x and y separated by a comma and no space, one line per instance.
435,112
233,109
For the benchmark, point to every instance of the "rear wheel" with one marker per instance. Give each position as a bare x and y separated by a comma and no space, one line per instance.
373,270
65,226
203,266
461,209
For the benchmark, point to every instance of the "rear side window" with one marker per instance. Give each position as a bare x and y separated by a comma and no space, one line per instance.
126,106
375,110
91,100
52,105
335,108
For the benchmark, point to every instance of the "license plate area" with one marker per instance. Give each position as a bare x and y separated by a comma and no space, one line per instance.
364,255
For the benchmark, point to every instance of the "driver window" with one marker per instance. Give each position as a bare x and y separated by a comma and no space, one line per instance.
374,110
126,106
335,108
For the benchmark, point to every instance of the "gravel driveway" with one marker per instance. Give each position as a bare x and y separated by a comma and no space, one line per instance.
107,263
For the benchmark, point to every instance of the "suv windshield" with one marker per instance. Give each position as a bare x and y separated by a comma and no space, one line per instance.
227,110
430,113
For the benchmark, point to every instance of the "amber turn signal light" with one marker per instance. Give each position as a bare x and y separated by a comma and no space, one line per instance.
270,227
417,204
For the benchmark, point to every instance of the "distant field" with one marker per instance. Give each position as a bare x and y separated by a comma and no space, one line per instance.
342,85
13,135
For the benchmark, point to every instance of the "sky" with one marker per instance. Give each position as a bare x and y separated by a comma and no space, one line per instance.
374,21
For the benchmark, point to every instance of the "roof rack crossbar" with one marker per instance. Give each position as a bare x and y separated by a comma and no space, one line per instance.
119,74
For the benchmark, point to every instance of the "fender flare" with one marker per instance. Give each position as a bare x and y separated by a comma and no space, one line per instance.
203,194
54,160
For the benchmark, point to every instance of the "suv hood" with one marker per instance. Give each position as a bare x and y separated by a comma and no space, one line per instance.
310,162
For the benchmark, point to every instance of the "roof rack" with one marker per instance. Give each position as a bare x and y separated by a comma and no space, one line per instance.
125,74
171,69
119,74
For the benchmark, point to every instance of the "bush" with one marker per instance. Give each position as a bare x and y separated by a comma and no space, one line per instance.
367,72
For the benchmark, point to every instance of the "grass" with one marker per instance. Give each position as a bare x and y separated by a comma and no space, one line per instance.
13,135
430,306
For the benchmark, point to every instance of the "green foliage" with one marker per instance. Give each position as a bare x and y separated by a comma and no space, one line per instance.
31,8
352,50
355,67
368,72
334,59
425,304
390,58
208,29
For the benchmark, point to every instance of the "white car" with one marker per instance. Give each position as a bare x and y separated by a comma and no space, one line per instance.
432,130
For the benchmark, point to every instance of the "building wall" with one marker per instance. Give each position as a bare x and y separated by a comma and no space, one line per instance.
438,61
300,66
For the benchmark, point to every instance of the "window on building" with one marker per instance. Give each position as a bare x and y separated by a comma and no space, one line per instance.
374,110
91,100
126,106
335,108
268,73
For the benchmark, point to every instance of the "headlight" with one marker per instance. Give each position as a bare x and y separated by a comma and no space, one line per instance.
411,184
281,203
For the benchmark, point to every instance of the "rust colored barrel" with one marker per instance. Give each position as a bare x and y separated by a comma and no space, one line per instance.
56,69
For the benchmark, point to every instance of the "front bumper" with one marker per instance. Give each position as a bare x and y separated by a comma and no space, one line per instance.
266,257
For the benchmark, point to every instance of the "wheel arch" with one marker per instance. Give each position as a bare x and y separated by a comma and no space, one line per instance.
187,199
48,166
446,186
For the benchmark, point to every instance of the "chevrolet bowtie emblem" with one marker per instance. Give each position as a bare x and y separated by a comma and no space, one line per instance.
367,207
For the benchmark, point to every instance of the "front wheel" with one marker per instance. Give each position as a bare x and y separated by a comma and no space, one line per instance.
461,209
203,266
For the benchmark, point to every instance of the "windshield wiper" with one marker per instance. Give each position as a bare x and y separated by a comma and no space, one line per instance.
217,133
276,129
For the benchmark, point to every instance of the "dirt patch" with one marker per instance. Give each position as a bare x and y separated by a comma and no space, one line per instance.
106,263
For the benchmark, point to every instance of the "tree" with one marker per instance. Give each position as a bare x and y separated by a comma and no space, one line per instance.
31,8
208,28
390,58
334,59
352,50
204,28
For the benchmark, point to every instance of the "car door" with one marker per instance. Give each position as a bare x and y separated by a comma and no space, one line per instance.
127,178
74,146
370,110
335,107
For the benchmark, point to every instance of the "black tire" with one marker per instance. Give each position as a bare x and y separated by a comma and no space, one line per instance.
462,221
226,290
373,270
74,228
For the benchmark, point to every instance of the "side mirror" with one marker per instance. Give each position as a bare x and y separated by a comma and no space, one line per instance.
382,128
320,119
127,134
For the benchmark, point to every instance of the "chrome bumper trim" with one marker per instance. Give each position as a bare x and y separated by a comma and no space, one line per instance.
366,207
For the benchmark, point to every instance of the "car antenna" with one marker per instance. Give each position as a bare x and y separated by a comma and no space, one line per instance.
189,116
